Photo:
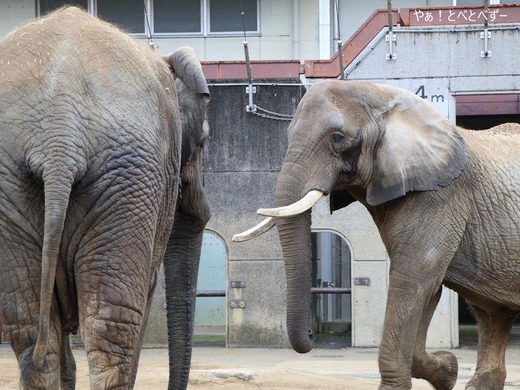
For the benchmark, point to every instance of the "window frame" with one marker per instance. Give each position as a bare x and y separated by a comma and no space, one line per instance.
149,27
230,33
150,9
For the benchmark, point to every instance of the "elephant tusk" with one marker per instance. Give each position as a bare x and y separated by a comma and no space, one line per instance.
255,231
296,208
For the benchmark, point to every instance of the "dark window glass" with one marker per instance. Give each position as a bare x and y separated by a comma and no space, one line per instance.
177,16
128,14
50,5
226,15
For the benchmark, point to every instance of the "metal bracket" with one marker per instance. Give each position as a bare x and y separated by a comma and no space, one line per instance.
486,36
250,90
237,304
363,281
237,284
390,38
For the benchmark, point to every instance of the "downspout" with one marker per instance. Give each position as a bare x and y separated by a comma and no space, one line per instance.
486,34
296,30
390,37
340,43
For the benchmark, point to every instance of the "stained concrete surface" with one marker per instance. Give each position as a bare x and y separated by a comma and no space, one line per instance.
331,365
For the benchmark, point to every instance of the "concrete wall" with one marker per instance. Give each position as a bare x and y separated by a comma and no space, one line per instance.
242,160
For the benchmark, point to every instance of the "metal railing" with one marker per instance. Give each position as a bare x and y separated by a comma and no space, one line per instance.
314,290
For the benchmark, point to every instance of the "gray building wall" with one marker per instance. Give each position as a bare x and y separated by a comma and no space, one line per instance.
242,159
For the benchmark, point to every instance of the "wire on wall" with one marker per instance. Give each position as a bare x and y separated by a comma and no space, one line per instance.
251,89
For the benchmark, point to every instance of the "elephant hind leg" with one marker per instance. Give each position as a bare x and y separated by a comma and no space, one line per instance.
23,341
68,365
47,377
493,334
439,368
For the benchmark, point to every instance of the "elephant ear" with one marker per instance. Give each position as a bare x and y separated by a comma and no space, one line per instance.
188,69
419,149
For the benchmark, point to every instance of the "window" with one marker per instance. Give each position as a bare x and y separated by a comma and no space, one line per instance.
179,16
170,17
50,5
226,16
127,14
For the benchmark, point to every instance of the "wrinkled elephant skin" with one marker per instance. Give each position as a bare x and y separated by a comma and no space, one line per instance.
446,202
92,145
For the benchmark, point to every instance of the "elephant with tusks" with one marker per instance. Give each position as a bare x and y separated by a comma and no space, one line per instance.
446,202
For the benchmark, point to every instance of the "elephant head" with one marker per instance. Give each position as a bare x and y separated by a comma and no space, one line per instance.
352,141
182,256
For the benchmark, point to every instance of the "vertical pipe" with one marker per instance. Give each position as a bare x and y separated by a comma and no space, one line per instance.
249,90
340,43
390,18
296,30
390,36
486,52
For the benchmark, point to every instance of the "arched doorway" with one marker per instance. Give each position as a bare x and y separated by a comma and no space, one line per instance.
210,312
331,313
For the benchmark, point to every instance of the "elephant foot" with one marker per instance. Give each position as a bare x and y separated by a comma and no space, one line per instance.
402,386
439,368
487,380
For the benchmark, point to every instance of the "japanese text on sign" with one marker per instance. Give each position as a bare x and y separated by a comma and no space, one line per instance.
458,16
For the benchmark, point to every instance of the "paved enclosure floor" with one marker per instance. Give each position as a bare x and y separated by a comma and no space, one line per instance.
327,367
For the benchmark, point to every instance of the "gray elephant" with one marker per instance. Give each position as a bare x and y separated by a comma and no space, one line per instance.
99,181
446,202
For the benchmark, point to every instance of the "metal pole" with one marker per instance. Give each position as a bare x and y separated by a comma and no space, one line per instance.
486,53
211,293
390,36
249,89
340,44
330,290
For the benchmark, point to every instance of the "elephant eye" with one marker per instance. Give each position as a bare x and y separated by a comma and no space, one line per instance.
346,146
338,141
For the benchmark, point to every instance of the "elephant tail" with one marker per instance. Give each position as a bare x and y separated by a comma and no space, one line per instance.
58,179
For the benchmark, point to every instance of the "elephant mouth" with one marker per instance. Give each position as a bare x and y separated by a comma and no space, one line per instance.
268,223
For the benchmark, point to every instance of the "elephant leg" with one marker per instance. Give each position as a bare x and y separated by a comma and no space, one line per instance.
68,365
145,321
407,301
439,368
19,309
493,334
49,377
112,290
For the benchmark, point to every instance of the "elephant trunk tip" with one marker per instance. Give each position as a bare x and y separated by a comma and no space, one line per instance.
304,344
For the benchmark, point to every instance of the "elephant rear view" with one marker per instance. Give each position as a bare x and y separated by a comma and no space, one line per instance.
90,163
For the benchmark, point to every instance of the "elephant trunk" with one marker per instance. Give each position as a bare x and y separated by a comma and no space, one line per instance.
181,266
295,240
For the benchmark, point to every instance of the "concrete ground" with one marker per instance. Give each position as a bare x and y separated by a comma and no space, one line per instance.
330,366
